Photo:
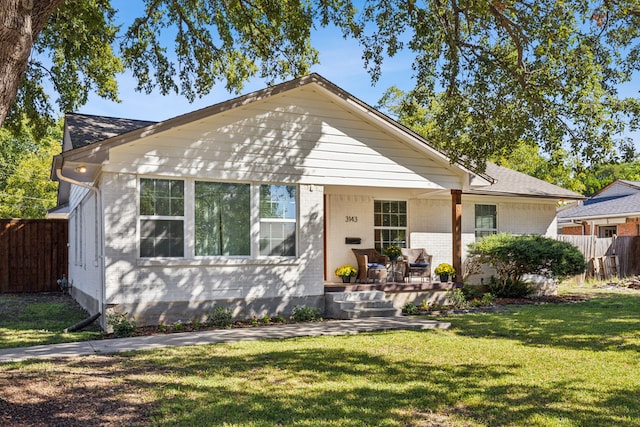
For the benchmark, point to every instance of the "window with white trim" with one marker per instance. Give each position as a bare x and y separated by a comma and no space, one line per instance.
278,213
486,220
390,223
161,218
607,230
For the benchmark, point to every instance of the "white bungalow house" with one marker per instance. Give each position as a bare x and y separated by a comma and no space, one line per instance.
254,202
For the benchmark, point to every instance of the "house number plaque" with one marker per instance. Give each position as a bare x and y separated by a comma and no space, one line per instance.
349,218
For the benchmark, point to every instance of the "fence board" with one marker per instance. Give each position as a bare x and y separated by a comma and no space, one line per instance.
601,251
33,254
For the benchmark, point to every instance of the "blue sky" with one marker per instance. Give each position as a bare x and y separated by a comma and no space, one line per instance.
340,62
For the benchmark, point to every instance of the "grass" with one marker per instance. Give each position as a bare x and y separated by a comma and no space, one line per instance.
36,319
572,364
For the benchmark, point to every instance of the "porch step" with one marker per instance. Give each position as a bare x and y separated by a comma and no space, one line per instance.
359,305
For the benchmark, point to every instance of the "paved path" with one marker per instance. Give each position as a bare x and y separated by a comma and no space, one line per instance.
107,346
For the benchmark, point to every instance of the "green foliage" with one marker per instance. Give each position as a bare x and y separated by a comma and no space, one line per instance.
303,313
516,256
509,288
121,324
220,317
488,75
26,190
456,298
410,309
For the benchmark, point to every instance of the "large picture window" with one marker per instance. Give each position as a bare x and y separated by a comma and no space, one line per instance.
161,218
390,223
486,220
278,215
222,219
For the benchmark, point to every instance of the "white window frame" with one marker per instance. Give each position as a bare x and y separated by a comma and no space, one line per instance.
182,218
380,245
484,230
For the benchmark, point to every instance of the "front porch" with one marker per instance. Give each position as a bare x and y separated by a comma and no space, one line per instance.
395,294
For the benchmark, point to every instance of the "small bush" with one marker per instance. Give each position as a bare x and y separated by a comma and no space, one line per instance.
122,326
410,309
509,288
303,313
456,298
472,291
488,299
220,317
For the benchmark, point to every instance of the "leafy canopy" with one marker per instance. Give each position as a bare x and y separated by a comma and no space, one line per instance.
487,74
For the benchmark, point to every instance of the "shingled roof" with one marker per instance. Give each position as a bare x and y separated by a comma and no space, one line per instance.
86,129
619,199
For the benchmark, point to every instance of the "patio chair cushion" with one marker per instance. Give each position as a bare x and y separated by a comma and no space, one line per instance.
419,264
375,265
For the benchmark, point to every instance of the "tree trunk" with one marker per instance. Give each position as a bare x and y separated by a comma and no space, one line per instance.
20,23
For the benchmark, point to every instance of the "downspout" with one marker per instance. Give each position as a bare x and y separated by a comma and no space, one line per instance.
98,233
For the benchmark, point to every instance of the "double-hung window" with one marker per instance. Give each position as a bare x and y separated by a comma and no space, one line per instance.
222,219
486,220
278,213
390,223
161,218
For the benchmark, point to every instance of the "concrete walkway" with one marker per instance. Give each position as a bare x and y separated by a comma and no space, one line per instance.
108,346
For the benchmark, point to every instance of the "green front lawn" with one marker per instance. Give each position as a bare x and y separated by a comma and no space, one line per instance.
574,364
36,319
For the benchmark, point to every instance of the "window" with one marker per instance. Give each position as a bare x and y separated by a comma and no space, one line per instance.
607,230
278,215
486,220
161,218
390,223
222,219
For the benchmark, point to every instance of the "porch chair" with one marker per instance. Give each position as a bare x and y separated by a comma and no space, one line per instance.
417,263
371,265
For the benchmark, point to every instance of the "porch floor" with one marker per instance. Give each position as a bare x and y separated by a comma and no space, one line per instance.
388,287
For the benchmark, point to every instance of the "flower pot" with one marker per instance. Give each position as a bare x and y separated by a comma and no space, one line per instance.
444,278
346,279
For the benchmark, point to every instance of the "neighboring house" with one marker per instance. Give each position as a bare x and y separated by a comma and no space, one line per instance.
254,202
614,210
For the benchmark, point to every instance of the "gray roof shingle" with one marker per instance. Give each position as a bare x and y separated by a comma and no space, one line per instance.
86,129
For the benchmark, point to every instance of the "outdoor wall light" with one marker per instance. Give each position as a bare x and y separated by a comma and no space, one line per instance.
81,169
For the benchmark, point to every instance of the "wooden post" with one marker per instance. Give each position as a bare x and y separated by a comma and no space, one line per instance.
456,232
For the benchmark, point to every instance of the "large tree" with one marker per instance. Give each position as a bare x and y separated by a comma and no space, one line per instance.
490,73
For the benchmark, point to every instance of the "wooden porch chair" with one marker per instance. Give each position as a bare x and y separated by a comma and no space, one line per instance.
368,260
417,263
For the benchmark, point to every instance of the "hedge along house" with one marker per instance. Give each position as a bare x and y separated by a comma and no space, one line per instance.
254,202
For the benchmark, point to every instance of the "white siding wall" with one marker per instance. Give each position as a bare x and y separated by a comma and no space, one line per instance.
84,251
142,284
294,137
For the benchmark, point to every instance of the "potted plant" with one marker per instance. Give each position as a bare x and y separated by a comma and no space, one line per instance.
444,270
346,272
393,252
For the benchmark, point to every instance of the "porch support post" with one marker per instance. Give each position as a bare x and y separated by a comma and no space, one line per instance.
456,232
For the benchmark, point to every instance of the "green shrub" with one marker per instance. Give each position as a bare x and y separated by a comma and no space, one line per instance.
410,309
509,288
303,313
513,257
220,317
488,299
122,326
456,298
472,291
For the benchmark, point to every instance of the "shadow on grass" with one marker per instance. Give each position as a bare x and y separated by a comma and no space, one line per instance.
606,323
316,384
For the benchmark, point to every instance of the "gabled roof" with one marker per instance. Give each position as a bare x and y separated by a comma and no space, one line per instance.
89,138
607,203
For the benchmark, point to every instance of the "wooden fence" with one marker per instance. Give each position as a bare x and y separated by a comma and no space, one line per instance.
608,257
33,254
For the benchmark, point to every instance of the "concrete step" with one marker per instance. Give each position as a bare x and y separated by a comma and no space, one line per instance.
370,312
356,305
